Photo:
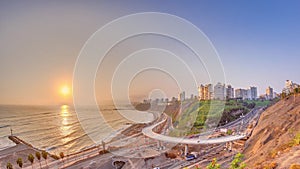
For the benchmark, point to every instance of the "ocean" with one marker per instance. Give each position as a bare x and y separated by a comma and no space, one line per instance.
57,128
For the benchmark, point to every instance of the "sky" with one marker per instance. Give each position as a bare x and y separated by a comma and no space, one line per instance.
257,42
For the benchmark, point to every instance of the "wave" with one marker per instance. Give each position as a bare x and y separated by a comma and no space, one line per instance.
43,127
4,126
5,143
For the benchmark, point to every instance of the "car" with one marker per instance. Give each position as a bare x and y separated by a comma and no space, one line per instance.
190,157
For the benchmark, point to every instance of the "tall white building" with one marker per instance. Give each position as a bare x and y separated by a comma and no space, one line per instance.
247,94
242,93
219,91
253,93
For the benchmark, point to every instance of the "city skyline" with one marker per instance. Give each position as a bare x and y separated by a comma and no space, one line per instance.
257,43
221,91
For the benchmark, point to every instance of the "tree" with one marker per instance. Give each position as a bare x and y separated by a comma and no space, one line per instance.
31,159
38,156
9,166
297,90
237,162
103,145
283,95
62,155
214,165
45,156
20,162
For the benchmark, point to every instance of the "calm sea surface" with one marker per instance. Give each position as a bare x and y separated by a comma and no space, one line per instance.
57,128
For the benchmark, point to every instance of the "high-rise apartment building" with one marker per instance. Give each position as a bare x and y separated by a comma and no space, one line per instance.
253,93
229,92
205,92
269,93
219,91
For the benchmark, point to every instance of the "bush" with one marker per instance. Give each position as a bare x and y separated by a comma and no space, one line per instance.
101,152
229,132
171,155
296,140
214,164
237,162
295,166
56,157
272,165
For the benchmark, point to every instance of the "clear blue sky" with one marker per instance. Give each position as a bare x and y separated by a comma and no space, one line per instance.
257,41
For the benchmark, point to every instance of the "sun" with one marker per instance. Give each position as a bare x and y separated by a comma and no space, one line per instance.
65,90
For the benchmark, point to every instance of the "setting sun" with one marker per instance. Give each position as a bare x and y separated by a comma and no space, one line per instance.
65,90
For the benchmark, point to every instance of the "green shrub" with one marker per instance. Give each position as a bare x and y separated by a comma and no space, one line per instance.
237,162
296,140
229,132
214,165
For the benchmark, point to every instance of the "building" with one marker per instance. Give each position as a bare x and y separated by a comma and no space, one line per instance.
247,94
290,86
181,96
242,93
201,92
219,91
208,92
253,93
229,92
205,92
269,93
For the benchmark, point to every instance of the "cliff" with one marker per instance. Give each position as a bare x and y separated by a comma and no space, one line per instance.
274,142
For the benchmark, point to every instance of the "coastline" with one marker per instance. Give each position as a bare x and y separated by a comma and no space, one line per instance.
22,148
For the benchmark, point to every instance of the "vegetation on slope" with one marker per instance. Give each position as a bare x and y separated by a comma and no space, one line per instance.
200,115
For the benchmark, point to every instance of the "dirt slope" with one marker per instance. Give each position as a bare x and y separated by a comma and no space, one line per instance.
271,144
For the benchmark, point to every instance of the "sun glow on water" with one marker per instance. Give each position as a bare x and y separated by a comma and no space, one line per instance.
65,127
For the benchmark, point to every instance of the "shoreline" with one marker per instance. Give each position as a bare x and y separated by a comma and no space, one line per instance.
22,148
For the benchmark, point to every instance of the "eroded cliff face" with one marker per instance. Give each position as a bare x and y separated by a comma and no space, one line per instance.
272,143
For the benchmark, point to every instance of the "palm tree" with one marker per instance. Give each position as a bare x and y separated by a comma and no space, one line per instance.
62,155
31,159
9,166
38,156
45,156
20,162
103,145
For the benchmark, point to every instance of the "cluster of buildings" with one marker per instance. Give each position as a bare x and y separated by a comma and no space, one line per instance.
222,92
290,86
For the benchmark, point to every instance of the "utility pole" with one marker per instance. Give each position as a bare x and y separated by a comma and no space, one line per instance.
11,131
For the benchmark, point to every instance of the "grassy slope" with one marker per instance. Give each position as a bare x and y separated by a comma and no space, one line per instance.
194,118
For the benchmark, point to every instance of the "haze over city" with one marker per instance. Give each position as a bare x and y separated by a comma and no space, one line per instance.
40,41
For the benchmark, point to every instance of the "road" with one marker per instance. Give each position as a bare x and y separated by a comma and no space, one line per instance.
148,131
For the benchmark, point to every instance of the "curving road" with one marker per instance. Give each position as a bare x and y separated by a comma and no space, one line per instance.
148,131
